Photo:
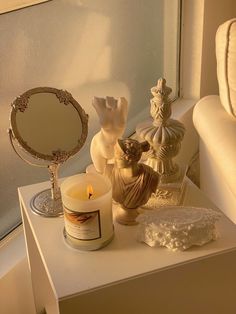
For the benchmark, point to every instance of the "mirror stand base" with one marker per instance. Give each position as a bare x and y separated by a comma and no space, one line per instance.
44,205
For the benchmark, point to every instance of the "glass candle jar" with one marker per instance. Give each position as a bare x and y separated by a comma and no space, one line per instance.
87,204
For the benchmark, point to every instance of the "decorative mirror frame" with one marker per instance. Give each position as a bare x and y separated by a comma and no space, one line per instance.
21,103
47,203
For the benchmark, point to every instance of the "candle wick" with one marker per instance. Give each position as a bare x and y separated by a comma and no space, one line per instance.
90,194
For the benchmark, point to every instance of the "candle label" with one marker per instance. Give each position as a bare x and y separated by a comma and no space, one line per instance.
83,225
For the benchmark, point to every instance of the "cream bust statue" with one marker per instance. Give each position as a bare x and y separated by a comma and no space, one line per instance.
132,182
112,115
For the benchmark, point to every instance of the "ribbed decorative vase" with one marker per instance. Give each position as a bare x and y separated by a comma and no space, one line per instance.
164,136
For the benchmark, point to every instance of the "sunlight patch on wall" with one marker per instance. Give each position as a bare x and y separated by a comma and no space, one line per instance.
91,45
102,67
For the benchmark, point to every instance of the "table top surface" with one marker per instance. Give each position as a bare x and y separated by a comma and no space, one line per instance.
74,272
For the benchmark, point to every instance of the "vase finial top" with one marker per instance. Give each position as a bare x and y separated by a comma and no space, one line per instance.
160,103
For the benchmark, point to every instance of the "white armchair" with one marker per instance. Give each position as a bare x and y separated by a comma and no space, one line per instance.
215,120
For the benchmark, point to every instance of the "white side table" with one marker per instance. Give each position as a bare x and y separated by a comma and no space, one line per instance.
126,276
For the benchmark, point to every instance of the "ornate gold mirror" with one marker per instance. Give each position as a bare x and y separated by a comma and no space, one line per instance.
51,126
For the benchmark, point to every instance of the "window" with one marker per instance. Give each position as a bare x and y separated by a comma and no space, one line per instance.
90,48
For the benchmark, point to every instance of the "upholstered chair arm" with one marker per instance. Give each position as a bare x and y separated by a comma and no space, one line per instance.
217,129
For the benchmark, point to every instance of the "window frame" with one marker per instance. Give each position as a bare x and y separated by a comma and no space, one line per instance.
18,4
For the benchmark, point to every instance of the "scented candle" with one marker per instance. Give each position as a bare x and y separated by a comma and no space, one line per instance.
87,204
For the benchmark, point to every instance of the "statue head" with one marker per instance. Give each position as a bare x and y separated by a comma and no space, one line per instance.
129,151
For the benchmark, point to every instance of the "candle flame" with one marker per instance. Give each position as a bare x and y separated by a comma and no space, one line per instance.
89,191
